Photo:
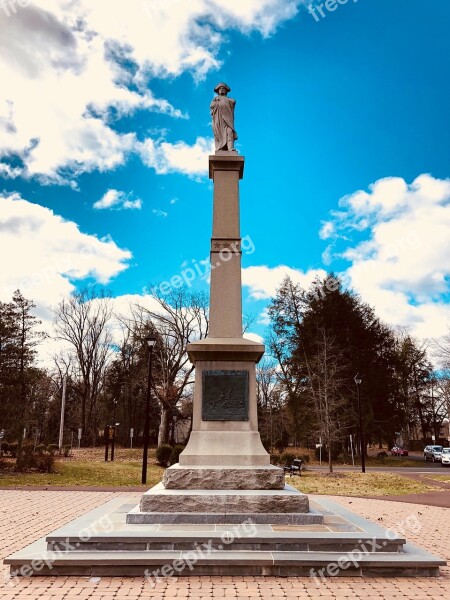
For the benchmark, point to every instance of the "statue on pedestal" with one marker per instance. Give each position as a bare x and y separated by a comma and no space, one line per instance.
222,112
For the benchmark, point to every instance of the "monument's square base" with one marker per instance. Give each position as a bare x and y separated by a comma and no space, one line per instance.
206,477
104,543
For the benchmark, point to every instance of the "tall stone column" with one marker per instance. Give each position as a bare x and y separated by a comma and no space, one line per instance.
225,361
226,170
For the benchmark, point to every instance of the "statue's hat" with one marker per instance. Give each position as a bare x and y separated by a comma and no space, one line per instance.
217,88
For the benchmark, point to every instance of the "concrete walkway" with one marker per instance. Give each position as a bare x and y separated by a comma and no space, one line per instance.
26,516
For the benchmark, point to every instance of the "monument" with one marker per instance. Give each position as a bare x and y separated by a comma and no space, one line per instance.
224,509
224,451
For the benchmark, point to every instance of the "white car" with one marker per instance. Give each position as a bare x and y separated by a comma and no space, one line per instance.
445,457
432,453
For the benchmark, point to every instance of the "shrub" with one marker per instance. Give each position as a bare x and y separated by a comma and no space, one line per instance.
176,451
274,459
5,447
66,450
12,449
52,448
305,458
40,448
287,458
163,454
45,463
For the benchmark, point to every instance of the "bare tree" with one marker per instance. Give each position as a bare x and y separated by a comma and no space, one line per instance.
268,393
325,385
442,351
82,321
181,317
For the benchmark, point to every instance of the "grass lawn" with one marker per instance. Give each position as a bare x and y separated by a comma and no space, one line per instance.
86,473
87,467
391,461
444,478
358,484
128,473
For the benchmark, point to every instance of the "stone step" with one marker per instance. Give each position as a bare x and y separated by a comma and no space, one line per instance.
136,517
411,562
174,539
288,500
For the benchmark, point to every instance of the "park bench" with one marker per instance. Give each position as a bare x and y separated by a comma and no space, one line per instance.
295,468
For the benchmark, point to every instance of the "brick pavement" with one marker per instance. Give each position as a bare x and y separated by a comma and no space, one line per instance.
26,516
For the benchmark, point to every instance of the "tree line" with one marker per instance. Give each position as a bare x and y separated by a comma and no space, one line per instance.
318,340
104,365
321,338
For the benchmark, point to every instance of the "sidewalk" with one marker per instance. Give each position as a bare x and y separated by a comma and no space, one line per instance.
26,516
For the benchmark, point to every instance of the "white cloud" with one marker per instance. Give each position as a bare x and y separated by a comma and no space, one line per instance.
159,213
180,157
63,62
114,199
254,337
402,267
42,254
263,282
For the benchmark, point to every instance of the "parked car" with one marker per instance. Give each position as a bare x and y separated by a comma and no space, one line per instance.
433,453
445,457
397,451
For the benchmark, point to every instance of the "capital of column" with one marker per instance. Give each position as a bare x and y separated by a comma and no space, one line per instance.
226,161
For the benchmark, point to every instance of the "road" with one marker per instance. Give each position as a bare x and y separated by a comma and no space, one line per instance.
422,467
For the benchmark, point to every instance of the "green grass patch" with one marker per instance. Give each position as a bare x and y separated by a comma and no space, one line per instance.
358,484
83,473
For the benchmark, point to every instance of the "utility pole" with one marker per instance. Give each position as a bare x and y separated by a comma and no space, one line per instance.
358,382
63,408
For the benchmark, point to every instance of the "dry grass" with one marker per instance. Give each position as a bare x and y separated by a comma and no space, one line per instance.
358,484
85,474
444,478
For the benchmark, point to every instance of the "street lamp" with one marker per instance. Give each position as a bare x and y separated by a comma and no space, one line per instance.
151,341
358,382
113,441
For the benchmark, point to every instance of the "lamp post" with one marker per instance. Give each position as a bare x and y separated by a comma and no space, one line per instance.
113,440
63,407
358,382
151,341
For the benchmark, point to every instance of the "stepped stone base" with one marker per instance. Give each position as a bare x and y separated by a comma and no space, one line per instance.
340,544
159,499
224,478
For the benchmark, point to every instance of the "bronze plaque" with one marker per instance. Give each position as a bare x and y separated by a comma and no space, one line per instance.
225,396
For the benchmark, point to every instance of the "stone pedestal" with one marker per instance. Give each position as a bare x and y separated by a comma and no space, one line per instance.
225,450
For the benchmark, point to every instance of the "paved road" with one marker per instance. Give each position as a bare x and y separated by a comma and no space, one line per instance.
423,468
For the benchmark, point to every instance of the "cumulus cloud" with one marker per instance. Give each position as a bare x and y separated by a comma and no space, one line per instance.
401,266
263,282
179,157
116,200
73,67
44,255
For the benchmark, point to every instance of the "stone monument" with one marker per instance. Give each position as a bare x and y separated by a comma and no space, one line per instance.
225,450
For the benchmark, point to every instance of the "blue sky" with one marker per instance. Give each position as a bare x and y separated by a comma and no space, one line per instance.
325,108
